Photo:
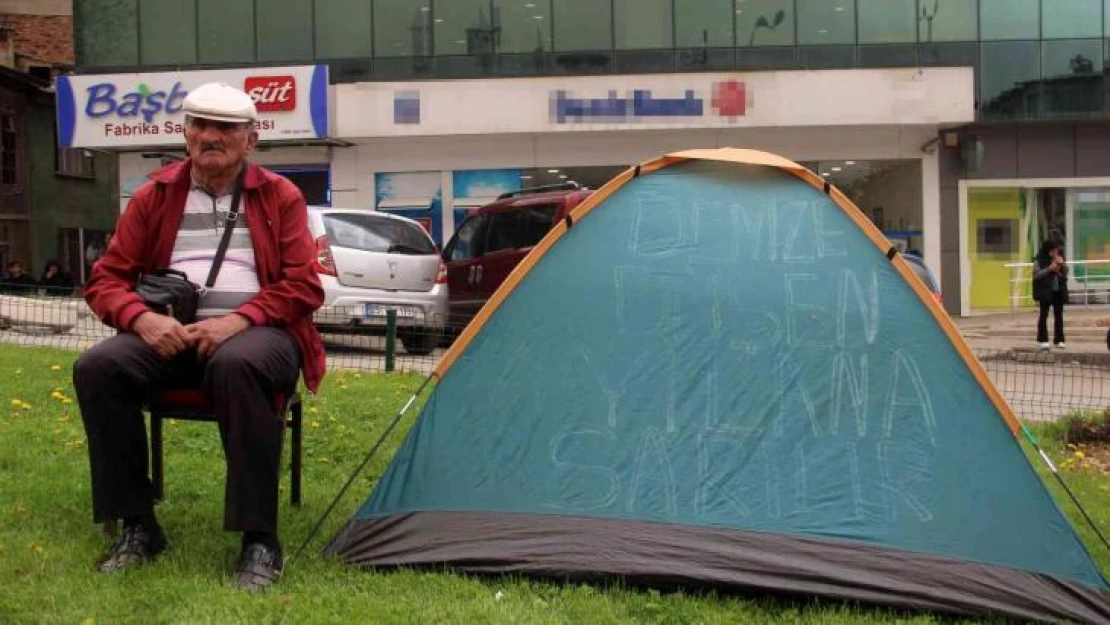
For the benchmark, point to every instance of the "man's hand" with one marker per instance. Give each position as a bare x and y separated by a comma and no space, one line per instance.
165,335
209,334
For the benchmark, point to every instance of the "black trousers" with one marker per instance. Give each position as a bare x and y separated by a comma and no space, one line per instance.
115,377
1057,306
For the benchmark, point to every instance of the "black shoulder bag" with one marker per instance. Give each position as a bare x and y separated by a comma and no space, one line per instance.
170,292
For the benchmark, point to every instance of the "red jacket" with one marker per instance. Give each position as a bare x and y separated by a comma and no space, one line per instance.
283,249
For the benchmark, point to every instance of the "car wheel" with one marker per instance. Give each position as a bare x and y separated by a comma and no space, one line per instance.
420,341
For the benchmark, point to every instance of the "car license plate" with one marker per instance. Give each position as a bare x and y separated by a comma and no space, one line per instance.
381,310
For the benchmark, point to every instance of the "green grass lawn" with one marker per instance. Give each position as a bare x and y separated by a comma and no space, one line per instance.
48,543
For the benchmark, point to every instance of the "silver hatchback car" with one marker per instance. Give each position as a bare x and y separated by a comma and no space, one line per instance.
371,262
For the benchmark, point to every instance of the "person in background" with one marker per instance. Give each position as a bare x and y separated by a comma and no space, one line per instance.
17,281
55,280
1050,290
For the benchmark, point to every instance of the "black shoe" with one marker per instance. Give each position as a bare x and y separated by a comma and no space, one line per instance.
259,568
136,545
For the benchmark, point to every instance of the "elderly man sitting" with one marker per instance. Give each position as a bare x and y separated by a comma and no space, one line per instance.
252,336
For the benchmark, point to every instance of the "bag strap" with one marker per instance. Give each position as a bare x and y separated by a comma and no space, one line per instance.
229,227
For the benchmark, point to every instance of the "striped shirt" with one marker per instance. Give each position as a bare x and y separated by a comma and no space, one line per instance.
202,226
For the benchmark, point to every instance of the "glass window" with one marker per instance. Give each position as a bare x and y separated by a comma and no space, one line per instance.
402,28
464,27
283,29
468,241
374,233
1008,75
167,32
764,22
107,32
948,20
583,24
703,23
1072,76
1009,19
343,29
1071,19
887,21
226,30
822,22
643,24
525,26
517,229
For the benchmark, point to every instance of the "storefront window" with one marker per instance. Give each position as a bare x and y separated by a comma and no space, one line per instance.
1091,236
887,21
583,24
1071,19
823,22
764,22
525,26
948,20
168,32
643,24
703,23
343,29
1009,19
108,32
1008,79
282,28
226,31
1072,76
402,28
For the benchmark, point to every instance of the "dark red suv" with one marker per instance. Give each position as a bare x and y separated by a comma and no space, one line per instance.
495,238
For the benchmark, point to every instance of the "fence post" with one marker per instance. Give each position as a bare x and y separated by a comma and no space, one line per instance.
390,338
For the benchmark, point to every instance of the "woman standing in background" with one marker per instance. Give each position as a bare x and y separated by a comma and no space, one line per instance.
1050,290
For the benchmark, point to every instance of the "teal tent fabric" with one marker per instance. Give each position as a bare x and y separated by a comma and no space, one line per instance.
719,347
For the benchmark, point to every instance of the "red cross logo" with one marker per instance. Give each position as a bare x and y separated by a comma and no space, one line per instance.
730,99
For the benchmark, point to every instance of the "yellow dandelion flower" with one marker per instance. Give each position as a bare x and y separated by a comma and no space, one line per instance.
343,387
66,400
312,410
55,367
26,406
314,424
332,419
325,461
17,403
37,548
1080,455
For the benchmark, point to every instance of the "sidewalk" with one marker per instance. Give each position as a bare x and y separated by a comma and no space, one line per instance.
1014,334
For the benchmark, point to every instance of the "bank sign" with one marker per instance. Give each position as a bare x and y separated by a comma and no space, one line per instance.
144,110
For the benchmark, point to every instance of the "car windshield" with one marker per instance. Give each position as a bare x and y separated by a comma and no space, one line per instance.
373,233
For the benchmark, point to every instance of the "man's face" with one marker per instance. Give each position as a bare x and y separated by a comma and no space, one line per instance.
15,270
216,146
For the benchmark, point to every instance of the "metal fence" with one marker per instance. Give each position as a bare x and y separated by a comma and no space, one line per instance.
1039,386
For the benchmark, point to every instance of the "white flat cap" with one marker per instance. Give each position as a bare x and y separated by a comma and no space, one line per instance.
220,102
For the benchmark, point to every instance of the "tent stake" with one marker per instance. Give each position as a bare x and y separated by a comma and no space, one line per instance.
365,461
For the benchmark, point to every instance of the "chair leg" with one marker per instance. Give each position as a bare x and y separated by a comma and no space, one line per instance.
295,426
156,455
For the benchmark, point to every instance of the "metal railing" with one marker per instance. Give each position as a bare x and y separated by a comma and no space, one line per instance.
1021,274
1039,386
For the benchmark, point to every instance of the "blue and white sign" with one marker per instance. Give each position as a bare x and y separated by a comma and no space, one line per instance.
144,110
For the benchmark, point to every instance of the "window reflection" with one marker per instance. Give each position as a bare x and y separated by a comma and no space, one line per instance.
402,28
887,21
948,20
823,22
642,24
343,29
703,23
764,23
1009,19
583,24
1066,19
1072,76
281,30
226,31
1008,81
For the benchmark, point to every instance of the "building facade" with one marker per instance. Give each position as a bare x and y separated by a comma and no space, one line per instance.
967,129
55,204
